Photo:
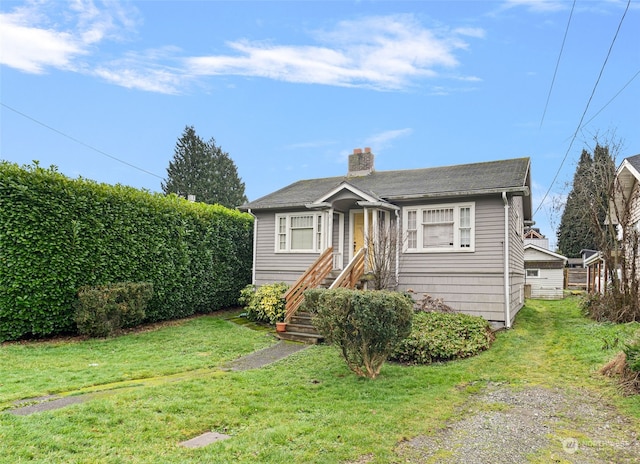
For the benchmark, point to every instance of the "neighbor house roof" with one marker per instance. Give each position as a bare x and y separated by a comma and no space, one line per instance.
635,162
511,175
539,249
628,174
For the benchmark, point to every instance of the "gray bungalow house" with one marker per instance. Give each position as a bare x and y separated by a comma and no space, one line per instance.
458,230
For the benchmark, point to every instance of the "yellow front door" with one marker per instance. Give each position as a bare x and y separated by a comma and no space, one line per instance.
358,230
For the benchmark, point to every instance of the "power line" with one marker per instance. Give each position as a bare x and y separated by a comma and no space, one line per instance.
612,98
595,86
80,141
566,31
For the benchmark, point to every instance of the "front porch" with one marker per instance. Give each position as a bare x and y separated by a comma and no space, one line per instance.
298,325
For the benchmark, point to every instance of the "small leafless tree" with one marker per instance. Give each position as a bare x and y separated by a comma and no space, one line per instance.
623,254
609,206
382,247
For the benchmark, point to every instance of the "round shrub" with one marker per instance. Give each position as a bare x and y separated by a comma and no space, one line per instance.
265,303
439,336
365,325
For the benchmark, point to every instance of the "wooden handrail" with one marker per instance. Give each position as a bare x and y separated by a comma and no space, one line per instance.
312,278
351,274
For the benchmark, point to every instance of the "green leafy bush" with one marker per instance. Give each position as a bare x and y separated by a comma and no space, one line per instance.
311,300
59,234
365,325
437,336
265,303
104,310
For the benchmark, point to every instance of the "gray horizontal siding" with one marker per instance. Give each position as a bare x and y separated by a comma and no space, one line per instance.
471,282
474,282
276,267
516,256
488,255
477,294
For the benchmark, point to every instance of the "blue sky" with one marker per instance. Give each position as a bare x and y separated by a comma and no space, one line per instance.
290,88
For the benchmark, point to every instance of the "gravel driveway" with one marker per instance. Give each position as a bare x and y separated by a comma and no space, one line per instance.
529,424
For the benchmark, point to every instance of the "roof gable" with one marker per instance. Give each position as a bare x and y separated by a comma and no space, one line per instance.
634,162
346,186
533,251
629,170
628,175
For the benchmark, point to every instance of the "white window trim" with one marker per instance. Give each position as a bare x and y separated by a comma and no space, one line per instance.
322,232
456,228
532,276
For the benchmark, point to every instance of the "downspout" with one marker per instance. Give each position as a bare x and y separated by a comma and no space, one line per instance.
398,244
507,308
255,246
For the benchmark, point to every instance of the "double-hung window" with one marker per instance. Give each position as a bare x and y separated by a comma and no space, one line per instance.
299,232
440,228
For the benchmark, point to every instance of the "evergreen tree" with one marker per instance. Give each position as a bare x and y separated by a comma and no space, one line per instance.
574,231
581,225
202,169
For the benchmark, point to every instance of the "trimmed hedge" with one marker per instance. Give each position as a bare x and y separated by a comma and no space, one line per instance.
59,234
437,336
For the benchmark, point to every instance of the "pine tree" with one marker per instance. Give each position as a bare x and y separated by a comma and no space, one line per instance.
202,169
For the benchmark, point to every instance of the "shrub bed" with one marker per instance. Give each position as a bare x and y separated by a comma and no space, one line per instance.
437,336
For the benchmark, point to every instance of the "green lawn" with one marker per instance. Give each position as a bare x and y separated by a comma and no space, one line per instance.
306,408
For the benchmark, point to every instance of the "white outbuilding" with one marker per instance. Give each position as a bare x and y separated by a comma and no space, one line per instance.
544,273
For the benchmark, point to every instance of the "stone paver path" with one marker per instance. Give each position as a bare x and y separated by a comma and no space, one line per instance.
265,356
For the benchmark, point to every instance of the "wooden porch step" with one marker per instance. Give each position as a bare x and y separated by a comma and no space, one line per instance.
300,329
301,317
310,339
303,328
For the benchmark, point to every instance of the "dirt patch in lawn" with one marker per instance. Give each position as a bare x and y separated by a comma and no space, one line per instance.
531,424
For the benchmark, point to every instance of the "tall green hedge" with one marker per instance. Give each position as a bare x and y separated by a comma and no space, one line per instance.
59,234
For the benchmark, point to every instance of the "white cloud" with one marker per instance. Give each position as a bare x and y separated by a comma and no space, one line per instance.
538,5
145,71
383,139
43,34
158,80
309,145
393,52
475,32
31,49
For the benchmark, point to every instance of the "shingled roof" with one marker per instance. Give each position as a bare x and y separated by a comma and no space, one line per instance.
634,161
440,182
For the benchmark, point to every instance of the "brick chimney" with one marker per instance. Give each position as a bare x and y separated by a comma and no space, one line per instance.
360,163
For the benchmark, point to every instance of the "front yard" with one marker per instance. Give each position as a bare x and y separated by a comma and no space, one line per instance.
161,387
